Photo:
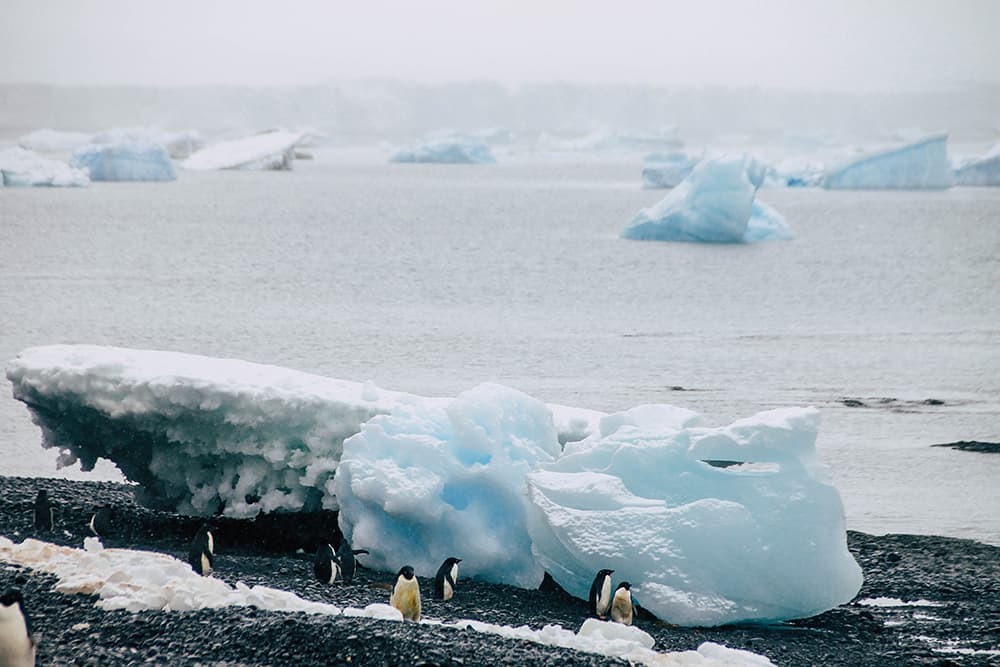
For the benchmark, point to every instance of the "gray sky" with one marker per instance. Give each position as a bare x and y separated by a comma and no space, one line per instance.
825,45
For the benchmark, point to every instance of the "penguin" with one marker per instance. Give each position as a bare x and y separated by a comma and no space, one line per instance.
444,580
201,555
348,564
17,646
600,594
621,605
100,522
406,594
326,566
43,511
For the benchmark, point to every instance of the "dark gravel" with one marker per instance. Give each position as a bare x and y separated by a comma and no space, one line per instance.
961,576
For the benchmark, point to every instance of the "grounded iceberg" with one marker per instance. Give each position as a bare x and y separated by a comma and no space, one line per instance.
981,171
920,165
762,539
714,204
23,168
125,161
666,170
451,150
274,151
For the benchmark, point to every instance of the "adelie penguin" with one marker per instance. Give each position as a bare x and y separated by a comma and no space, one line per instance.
326,566
406,594
43,511
201,555
621,605
444,580
600,594
348,564
17,646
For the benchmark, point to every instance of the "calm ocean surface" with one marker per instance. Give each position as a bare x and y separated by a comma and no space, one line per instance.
432,279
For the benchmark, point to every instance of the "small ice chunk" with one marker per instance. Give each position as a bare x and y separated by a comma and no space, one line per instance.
23,168
452,150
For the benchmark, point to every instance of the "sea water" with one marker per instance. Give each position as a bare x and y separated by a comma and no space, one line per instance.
434,278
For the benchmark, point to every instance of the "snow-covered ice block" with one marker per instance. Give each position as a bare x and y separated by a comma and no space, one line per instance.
429,482
920,165
760,540
666,170
714,204
23,168
451,150
981,171
125,161
54,141
197,433
266,151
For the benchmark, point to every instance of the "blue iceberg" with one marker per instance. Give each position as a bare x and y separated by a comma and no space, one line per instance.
666,170
125,161
920,165
452,150
24,168
981,171
714,204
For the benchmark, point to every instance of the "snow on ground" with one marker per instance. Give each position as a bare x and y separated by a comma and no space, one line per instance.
449,150
24,168
142,580
266,151
919,165
714,204
125,160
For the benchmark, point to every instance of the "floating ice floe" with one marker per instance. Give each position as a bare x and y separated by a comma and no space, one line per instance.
199,433
450,150
125,161
179,144
666,170
920,165
23,168
54,141
274,151
714,204
980,171
142,580
710,525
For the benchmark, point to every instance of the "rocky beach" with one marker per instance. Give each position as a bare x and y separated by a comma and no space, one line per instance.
926,600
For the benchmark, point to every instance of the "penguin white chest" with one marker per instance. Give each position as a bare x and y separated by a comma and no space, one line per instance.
206,565
621,607
449,591
604,597
406,598
16,648
211,543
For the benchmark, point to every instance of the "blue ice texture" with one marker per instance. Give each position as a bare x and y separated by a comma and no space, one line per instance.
125,161
450,150
919,165
666,170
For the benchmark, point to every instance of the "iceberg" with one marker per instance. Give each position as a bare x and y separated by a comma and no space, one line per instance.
434,481
23,168
452,150
714,204
919,165
269,151
125,161
797,172
666,170
54,141
761,539
981,171
199,434
605,139
179,145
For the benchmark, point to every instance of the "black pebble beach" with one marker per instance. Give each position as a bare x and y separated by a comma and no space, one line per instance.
961,577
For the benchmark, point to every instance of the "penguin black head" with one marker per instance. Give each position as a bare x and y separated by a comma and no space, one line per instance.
627,586
605,573
452,561
406,572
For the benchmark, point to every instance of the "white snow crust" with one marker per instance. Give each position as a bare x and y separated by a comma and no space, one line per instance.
274,151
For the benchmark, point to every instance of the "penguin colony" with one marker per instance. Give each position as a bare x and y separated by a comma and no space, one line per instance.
17,644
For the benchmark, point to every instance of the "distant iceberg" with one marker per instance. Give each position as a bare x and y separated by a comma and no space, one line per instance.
179,145
23,168
451,150
797,172
125,161
714,204
54,141
981,171
607,140
921,165
666,170
269,151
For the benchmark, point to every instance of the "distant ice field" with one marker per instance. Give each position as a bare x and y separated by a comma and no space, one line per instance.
435,278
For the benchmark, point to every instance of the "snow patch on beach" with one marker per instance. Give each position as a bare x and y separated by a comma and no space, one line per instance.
143,580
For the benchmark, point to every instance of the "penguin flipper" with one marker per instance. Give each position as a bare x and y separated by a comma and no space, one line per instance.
359,551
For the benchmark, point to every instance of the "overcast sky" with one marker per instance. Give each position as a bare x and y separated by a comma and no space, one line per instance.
826,45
